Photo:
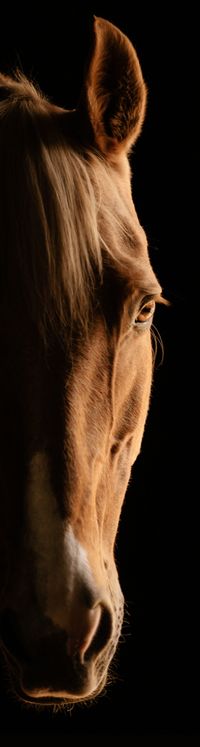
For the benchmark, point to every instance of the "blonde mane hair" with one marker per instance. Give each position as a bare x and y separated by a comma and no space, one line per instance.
52,200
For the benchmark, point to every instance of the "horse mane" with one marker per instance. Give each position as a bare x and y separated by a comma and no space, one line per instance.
57,222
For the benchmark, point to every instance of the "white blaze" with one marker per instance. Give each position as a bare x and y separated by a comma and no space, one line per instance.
61,565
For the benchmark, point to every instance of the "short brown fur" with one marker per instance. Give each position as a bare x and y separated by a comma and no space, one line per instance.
76,368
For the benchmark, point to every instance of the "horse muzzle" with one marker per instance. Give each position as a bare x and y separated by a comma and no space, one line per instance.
57,665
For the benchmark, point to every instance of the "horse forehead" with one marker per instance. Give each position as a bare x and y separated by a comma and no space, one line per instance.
123,205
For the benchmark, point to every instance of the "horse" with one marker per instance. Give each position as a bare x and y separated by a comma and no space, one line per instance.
77,299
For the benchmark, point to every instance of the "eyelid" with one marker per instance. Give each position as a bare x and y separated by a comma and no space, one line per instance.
145,302
155,297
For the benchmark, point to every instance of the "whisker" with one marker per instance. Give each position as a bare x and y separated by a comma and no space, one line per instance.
157,344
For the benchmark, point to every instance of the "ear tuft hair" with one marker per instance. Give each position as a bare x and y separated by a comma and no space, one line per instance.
114,90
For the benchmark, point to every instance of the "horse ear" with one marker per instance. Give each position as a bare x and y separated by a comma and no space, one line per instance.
114,93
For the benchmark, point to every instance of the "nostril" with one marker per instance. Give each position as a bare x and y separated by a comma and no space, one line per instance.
101,635
94,629
84,630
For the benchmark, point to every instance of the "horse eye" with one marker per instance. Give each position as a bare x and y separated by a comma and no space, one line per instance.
145,314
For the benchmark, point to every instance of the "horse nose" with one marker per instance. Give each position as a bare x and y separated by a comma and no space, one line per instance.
57,663
87,634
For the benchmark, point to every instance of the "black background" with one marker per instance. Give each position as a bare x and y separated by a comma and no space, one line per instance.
156,673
